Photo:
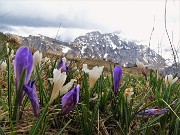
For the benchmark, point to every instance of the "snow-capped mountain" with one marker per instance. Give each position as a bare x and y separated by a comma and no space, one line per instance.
107,46
111,47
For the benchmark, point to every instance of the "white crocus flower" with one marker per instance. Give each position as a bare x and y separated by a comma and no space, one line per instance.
3,65
94,74
169,79
12,54
140,64
7,45
37,57
128,94
142,67
59,80
7,50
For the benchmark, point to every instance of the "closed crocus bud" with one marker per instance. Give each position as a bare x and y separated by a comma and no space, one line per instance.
7,45
142,67
3,65
70,99
30,90
59,79
94,74
37,58
12,54
12,51
63,65
7,50
23,59
117,77
169,80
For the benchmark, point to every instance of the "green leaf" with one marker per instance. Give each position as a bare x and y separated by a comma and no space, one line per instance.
41,84
16,106
9,87
60,132
4,105
1,131
37,124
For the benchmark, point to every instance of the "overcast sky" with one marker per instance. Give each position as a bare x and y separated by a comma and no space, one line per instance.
134,19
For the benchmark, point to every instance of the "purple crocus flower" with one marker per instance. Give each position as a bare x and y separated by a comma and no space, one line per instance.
70,99
30,90
23,58
64,65
117,77
153,111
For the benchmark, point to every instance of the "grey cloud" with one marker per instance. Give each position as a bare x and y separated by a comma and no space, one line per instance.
41,22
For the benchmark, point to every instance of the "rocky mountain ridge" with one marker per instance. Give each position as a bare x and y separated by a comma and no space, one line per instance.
106,46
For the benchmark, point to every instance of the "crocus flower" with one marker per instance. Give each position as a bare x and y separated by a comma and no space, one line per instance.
37,57
117,77
128,94
169,79
59,79
63,65
70,99
94,74
7,49
3,65
30,90
12,54
153,111
142,67
23,59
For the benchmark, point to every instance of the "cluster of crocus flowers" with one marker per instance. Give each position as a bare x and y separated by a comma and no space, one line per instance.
24,59
128,94
169,80
63,65
117,77
153,111
94,74
70,99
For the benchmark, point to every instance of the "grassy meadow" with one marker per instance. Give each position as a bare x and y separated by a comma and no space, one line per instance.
48,94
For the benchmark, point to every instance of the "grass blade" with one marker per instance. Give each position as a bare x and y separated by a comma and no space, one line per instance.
60,132
18,94
41,84
1,131
37,124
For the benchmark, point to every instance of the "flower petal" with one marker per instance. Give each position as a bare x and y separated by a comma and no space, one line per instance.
67,87
59,80
31,92
23,58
